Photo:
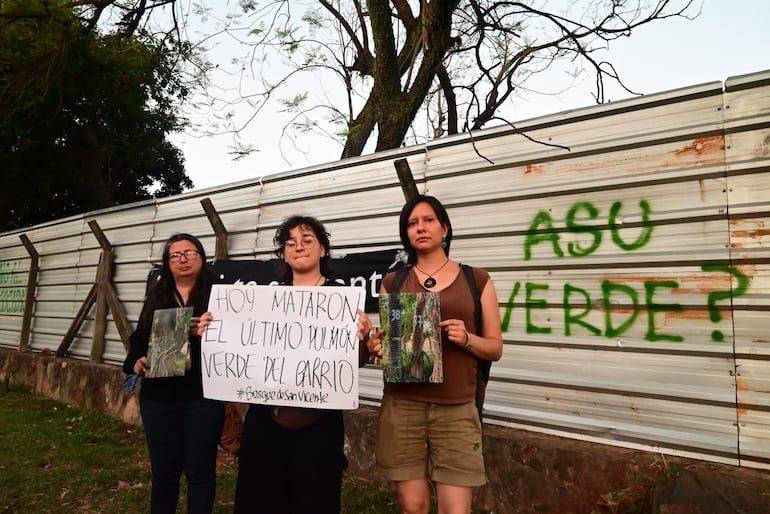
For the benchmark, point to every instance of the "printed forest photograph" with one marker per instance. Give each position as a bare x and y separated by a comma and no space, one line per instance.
412,338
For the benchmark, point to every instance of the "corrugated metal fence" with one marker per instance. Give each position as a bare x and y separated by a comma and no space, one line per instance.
628,244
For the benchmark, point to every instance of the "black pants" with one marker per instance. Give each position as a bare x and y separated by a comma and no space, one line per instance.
282,471
182,436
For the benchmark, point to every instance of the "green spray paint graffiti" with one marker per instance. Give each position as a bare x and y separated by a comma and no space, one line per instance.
9,272
541,229
718,296
609,289
577,302
11,299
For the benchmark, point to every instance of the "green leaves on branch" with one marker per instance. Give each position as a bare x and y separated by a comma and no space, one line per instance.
83,115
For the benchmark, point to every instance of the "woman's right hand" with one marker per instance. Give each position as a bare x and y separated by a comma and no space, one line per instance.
367,332
203,322
140,366
374,343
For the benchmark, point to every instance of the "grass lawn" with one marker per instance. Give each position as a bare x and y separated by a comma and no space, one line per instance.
60,459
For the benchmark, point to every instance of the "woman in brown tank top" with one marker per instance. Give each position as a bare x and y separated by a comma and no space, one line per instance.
429,434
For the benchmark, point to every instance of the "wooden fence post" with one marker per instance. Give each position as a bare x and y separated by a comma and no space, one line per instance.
29,301
220,252
103,294
406,179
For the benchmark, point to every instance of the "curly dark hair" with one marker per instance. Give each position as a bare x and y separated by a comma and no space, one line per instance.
282,235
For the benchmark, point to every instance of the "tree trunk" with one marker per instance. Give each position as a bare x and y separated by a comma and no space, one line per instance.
395,333
418,332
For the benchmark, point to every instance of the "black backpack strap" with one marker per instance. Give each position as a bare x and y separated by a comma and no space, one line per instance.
482,366
399,279
468,271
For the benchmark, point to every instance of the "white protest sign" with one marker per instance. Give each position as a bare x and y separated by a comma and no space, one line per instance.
283,345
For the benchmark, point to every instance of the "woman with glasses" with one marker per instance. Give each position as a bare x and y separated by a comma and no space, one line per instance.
291,459
181,426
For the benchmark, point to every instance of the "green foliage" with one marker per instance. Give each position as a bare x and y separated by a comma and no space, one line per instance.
408,301
83,115
406,314
407,72
408,360
429,361
295,103
313,19
59,458
638,497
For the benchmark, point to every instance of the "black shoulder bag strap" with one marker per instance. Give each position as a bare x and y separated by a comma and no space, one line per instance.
399,279
482,366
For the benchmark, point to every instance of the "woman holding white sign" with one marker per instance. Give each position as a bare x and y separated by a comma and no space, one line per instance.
291,459
181,426
429,434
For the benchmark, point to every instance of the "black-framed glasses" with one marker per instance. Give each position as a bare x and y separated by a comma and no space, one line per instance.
187,254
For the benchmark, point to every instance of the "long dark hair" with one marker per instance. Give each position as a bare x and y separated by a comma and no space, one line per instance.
282,235
403,222
163,293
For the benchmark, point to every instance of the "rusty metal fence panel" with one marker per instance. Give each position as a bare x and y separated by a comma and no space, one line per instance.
747,149
627,243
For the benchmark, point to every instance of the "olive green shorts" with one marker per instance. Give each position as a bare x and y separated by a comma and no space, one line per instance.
428,440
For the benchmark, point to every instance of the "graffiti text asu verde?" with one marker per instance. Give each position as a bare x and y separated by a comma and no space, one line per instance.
9,272
12,300
542,230
577,302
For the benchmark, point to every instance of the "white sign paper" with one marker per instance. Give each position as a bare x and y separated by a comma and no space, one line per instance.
283,345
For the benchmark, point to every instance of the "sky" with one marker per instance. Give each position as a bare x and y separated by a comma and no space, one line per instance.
729,38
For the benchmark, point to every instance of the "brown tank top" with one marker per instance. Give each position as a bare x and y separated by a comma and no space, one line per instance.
459,385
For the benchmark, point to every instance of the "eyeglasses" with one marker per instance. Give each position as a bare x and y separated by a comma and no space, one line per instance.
291,244
187,254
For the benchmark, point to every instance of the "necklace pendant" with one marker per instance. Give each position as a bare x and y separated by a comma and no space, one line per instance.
430,281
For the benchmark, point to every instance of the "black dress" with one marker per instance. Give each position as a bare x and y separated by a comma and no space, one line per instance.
282,471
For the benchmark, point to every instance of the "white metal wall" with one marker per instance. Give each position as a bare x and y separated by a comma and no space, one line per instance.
627,242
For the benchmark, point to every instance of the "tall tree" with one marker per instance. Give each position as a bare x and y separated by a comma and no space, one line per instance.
74,74
411,70
83,115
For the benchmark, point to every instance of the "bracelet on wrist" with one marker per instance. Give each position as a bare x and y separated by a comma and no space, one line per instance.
467,340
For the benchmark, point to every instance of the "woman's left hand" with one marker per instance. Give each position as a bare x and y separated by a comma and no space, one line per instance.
140,366
201,323
456,332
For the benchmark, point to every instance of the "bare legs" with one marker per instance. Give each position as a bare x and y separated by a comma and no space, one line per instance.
414,497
